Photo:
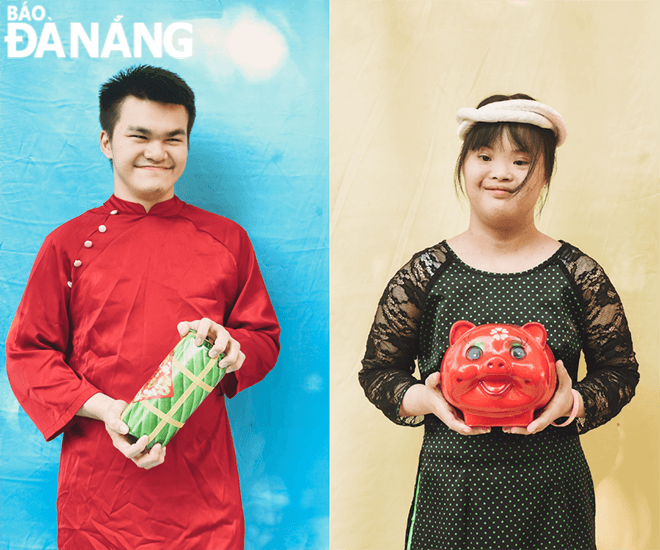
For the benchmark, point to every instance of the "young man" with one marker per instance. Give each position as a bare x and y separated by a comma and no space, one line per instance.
110,293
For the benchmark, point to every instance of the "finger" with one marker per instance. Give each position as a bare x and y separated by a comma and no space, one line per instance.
463,429
229,347
184,328
238,364
112,418
449,415
553,408
517,430
203,329
459,425
222,345
433,382
562,375
136,449
116,425
232,360
124,446
550,413
541,423
154,457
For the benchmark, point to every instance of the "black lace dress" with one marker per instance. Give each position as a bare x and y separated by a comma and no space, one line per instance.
501,491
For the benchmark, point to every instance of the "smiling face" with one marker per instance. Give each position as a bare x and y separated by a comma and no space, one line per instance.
499,185
148,149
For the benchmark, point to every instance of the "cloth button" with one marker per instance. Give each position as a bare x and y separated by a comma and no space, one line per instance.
113,212
102,228
69,283
88,244
77,263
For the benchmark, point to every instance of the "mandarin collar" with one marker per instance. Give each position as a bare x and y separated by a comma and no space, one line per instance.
170,207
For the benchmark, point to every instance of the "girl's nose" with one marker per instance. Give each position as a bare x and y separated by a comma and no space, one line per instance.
501,171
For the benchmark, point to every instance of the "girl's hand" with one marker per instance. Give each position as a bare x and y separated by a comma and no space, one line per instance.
560,405
428,399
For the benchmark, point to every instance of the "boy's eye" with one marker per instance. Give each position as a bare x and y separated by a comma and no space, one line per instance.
518,352
473,353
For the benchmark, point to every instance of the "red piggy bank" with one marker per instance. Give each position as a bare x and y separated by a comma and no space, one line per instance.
498,375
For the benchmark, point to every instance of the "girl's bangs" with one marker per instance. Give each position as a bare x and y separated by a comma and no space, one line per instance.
522,137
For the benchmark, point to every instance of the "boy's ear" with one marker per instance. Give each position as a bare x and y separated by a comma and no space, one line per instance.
105,145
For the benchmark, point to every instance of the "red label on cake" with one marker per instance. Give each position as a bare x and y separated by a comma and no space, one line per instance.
160,385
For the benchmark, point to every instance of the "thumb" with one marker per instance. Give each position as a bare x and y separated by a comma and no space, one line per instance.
183,328
433,380
113,417
563,378
120,427
116,425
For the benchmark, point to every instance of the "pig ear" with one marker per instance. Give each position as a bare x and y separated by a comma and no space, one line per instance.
458,329
537,331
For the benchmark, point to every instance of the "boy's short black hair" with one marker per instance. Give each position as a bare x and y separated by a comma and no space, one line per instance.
144,82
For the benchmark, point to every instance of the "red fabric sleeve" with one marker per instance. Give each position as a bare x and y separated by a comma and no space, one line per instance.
37,344
252,323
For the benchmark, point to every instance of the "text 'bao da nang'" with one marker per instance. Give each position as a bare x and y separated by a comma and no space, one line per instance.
30,34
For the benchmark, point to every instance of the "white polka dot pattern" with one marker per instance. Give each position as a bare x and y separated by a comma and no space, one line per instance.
501,491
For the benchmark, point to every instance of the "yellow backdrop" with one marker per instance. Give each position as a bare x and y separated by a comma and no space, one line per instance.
399,73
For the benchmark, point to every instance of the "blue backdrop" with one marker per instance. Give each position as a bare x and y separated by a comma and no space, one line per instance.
259,155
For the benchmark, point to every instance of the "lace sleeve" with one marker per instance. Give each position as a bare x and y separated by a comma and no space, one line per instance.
612,370
392,345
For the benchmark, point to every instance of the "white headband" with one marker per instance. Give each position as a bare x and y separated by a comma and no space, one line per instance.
513,110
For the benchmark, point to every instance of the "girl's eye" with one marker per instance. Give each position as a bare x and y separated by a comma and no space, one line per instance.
485,158
521,162
473,353
518,352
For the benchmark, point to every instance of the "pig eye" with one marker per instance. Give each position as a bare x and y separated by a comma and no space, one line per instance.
473,353
518,352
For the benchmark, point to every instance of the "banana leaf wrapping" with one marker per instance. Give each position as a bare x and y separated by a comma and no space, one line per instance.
179,385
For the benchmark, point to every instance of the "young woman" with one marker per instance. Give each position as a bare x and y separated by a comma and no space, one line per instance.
499,489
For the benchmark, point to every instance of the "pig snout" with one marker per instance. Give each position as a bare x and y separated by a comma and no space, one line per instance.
496,365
